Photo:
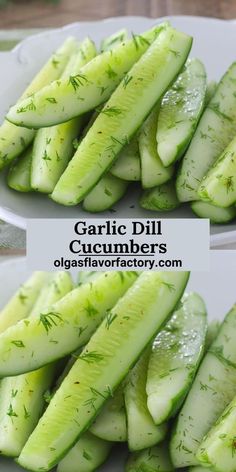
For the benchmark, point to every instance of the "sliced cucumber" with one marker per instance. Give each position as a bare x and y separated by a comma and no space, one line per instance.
102,366
110,424
113,40
217,449
22,302
84,91
87,276
142,432
19,173
215,214
180,111
127,165
153,172
213,134
219,185
212,332
63,327
210,91
88,454
14,139
150,460
162,198
105,194
122,115
199,468
213,388
176,354
22,397
53,146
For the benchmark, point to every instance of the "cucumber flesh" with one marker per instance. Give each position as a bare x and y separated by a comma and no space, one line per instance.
53,146
88,454
19,173
215,214
213,134
153,172
127,165
63,327
213,389
212,332
22,397
110,352
142,432
112,41
161,198
129,105
210,91
110,424
217,449
22,302
180,111
219,185
108,191
87,276
150,460
176,354
84,91
13,139
199,468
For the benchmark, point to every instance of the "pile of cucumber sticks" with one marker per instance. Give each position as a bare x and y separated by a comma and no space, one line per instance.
92,122
120,358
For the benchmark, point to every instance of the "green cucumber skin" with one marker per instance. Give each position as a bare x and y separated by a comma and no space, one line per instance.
53,146
110,424
214,132
212,332
216,215
134,100
153,172
218,446
89,452
180,111
19,173
63,327
85,91
13,139
108,191
219,185
210,91
150,460
215,380
127,166
175,358
153,293
22,397
22,302
142,432
161,198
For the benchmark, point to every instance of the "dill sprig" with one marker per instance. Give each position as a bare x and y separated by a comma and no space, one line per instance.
91,357
18,343
78,80
110,318
50,319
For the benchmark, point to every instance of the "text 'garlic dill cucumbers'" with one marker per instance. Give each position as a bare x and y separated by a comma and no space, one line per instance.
160,198
142,432
215,213
176,354
219,185
212,390
88,454
102,366
22,397
180,110
214,132
84,91
14,139
153,172
153,459
19,173
110,424
218,447
63,327
22,302
53,146
122,115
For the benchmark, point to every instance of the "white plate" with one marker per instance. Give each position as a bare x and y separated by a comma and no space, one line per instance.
217,288
213,40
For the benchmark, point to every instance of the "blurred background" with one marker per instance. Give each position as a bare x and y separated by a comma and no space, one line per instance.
49,13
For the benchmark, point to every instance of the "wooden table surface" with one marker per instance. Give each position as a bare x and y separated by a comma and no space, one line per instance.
43,13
